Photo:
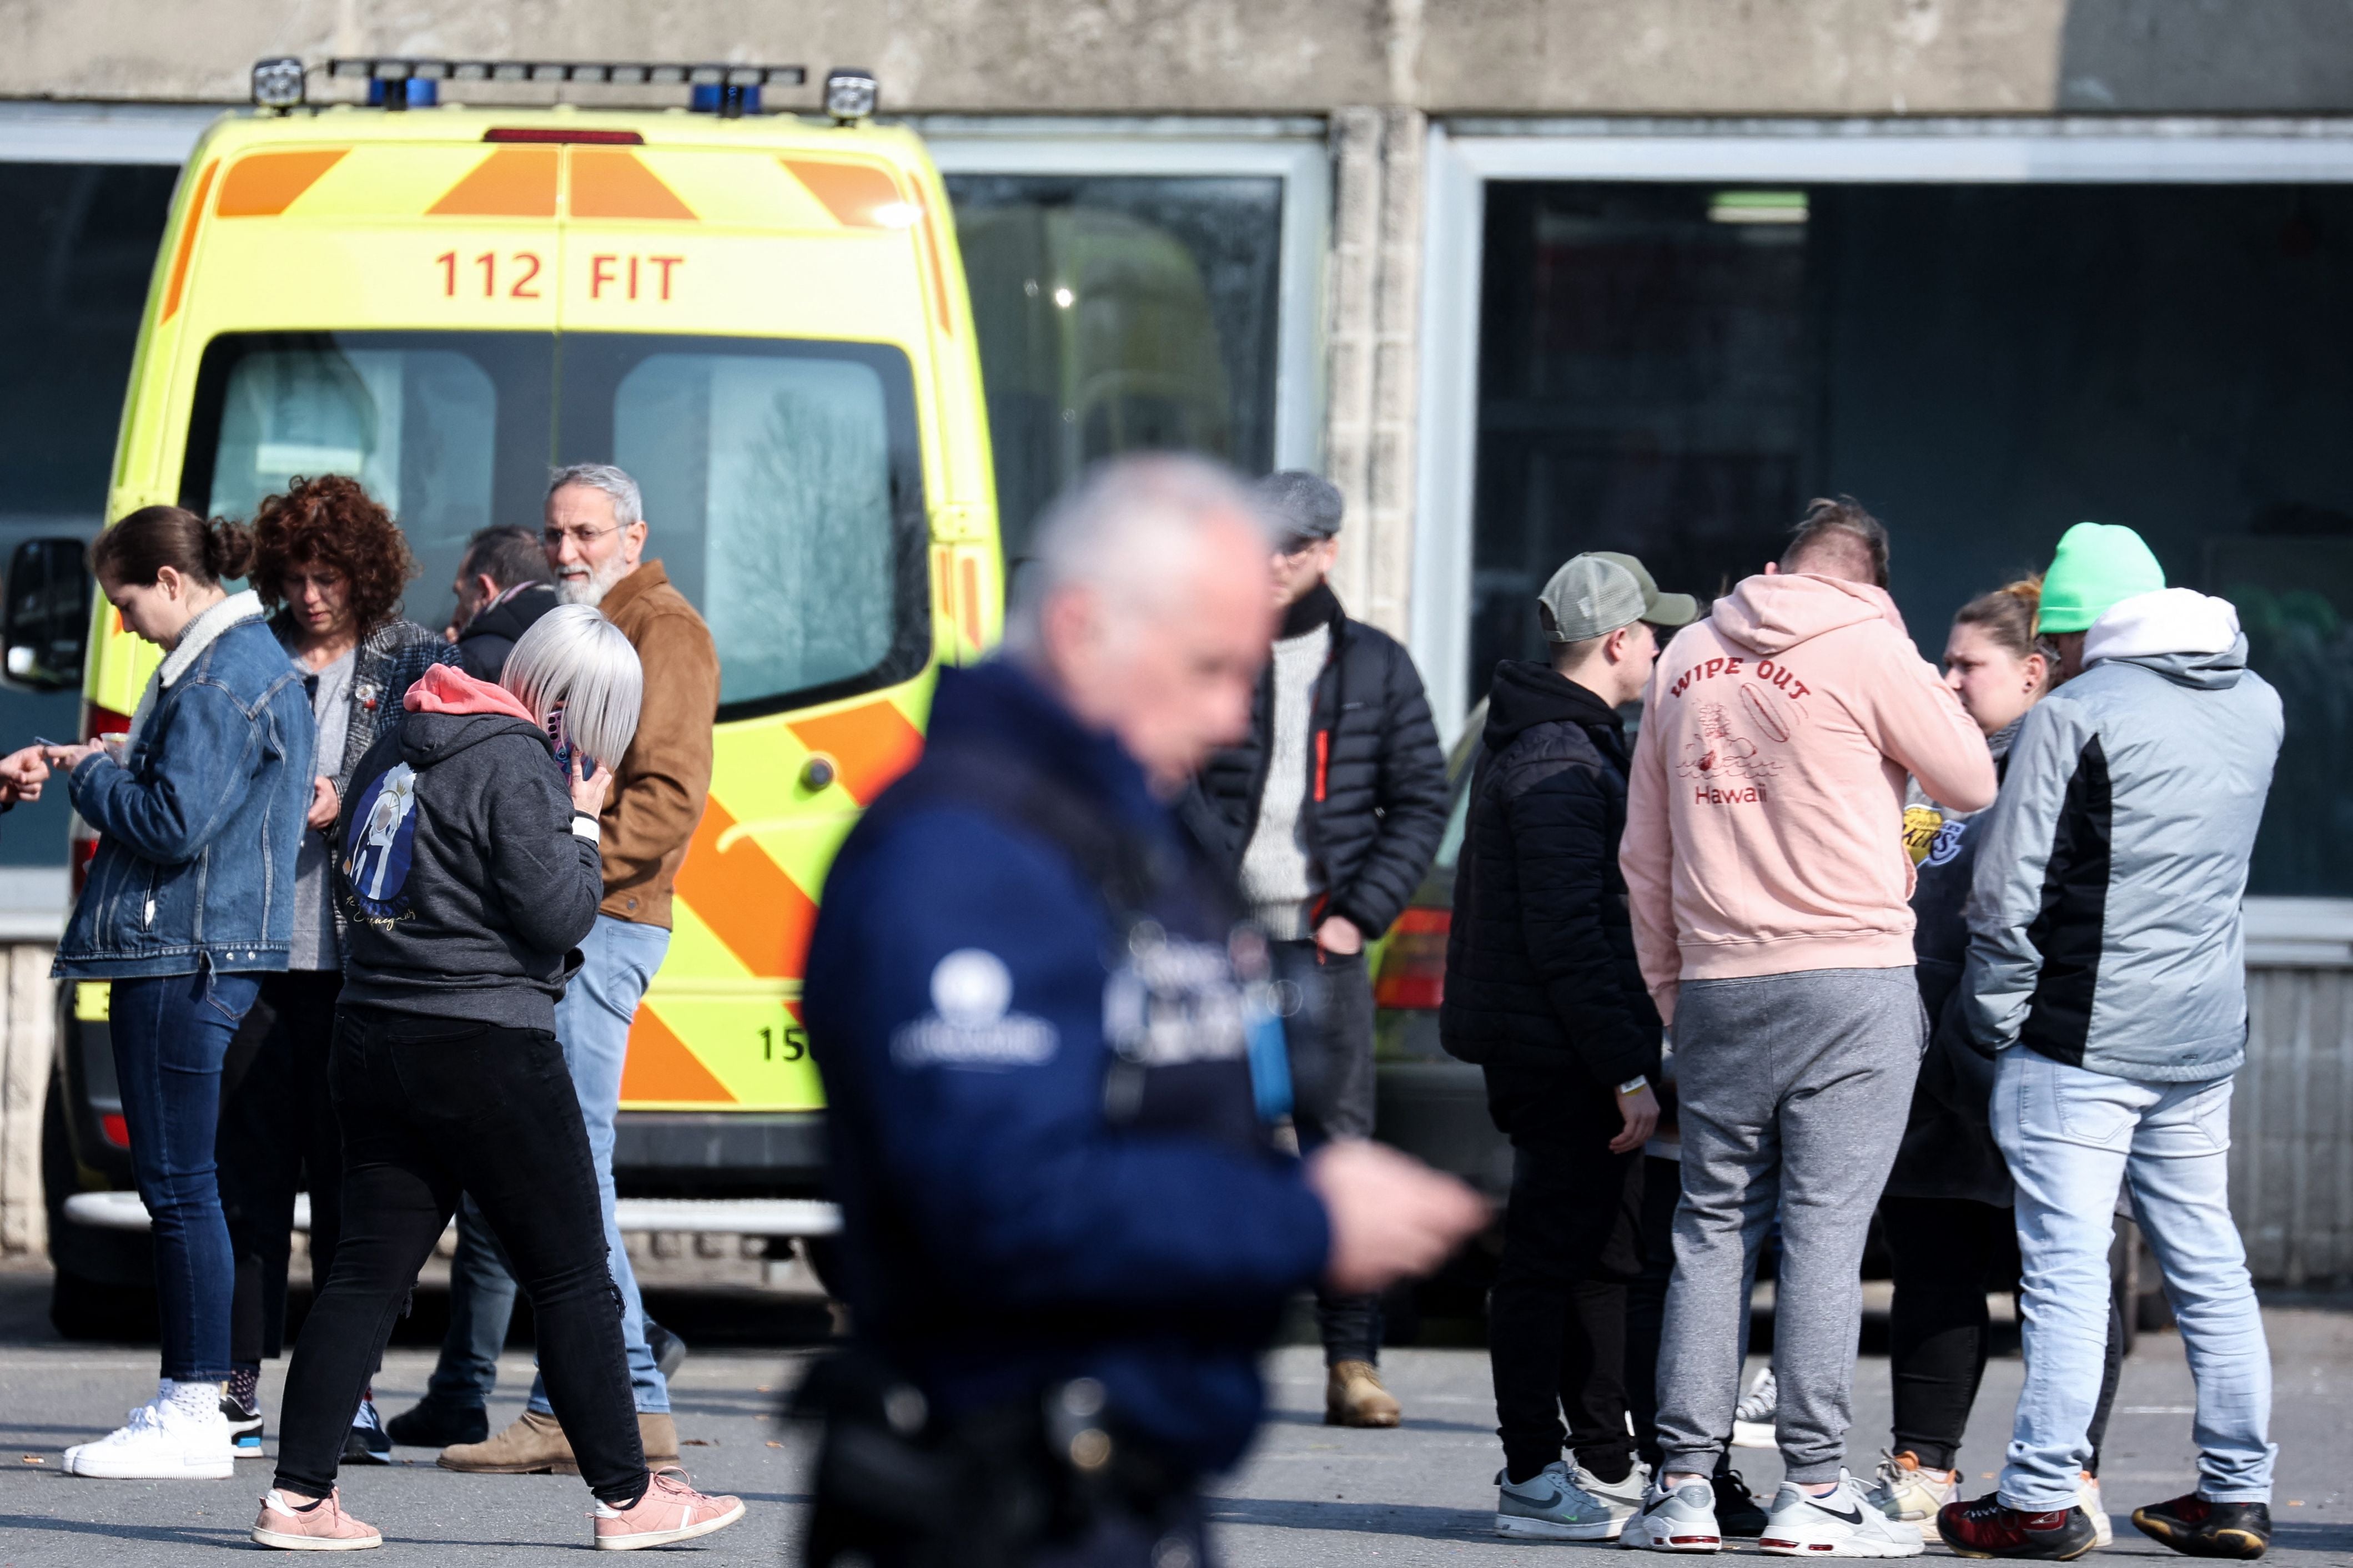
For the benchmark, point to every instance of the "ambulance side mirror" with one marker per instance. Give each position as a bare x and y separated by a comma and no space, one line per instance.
46,623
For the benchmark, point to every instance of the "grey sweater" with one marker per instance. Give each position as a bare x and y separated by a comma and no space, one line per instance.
466,878
2104,915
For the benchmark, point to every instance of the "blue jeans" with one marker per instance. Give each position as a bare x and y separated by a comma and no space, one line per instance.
2071,1137
170,1034
593,1023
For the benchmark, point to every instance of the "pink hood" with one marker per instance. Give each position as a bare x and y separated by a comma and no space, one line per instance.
445,688
1776,611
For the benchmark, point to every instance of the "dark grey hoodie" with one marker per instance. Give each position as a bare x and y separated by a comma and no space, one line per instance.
468,879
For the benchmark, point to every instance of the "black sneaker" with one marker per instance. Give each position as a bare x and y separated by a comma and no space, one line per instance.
669,1351
2202,1529
244,1425
367,1443
432,1425
1991,1528
1738,1511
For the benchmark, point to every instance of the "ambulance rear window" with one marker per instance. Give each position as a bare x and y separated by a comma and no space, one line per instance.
782,480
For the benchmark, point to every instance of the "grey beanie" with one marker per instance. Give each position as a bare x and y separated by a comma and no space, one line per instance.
1305,507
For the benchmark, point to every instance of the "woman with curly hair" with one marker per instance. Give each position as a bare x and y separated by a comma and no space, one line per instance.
331,563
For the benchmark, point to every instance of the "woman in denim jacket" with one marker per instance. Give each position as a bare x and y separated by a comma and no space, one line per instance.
189,902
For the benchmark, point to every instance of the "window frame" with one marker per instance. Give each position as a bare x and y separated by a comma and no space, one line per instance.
1295,151
1464,154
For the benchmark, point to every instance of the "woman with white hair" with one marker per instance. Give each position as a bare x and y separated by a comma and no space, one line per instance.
468,871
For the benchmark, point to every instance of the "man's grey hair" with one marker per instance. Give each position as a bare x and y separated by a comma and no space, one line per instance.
573,658
1125,530
628,504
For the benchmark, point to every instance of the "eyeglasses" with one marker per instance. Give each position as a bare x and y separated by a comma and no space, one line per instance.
553,537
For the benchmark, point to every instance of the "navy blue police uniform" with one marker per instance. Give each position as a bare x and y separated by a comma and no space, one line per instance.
1034,1004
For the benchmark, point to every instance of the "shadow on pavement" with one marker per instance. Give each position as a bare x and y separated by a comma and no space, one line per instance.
224,1537
1419,1521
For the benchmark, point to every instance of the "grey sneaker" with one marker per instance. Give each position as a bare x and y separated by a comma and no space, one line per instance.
1846,1523
1551,1507
1678,1521
1752,1418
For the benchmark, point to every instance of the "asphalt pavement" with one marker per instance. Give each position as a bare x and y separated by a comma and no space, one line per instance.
1309,1495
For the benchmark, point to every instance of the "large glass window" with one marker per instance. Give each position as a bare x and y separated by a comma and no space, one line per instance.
1672,370
73,282
1116,314
782,480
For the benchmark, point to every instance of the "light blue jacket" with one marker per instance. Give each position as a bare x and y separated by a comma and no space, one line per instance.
200,822
2105,918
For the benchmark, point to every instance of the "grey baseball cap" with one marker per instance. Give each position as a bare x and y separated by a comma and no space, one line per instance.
1595,593
1306,509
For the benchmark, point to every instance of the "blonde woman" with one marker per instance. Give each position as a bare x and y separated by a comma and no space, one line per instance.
469,873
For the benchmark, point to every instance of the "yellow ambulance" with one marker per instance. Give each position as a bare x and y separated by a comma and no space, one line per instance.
762,317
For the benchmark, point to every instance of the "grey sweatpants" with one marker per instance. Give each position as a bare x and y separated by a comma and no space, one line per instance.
1792,1091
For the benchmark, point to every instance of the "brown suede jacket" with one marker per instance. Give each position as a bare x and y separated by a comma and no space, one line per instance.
660,786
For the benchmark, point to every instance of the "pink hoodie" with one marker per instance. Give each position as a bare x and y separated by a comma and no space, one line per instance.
445,688
1765,815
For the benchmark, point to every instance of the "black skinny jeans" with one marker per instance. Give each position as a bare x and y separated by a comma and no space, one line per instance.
278,1135
431,1107
1949,1253
1557,1316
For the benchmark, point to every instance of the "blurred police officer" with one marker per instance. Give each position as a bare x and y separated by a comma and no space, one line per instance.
1068,1235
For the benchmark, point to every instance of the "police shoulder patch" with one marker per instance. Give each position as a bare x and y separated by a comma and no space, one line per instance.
971,1024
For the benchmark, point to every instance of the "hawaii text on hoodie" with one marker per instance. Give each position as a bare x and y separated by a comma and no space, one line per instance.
1765,815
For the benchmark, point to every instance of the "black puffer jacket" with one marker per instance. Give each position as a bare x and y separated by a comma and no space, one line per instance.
1376,804
1540,969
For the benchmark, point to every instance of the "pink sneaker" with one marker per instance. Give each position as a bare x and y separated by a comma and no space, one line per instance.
671,1510
326,1527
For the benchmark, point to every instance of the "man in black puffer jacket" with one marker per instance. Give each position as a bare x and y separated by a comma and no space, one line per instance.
1543,991
1329,814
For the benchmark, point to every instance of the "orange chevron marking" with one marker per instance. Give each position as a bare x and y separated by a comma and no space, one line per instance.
873,745
850,192
968,599
611,181
514,182
188,241
267,183
660,1066
745,899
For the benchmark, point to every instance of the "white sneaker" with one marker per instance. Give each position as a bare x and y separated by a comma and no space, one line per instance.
1626,1494
1752,1418
1845,1523
1550,1507
1678,1521
160,1443
2087,1498
1907,1491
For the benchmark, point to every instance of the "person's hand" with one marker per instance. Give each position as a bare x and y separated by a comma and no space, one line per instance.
1640,1110
325,804
21,776
1392,1217
588,792
66,759
1338,935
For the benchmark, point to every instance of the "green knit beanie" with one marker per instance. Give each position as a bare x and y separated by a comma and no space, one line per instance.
2098,563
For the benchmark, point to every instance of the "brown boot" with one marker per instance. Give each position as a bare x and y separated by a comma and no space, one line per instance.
658,1435
534,1446
1353,1396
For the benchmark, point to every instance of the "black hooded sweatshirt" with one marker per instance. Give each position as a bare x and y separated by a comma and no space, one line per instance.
468,879
1540,970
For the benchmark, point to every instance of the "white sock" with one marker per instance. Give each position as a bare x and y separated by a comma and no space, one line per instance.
194,1400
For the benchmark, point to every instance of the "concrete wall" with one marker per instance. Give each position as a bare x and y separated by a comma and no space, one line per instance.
1798,57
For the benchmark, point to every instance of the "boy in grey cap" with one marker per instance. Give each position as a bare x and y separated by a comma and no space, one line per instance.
1543,992
1329,814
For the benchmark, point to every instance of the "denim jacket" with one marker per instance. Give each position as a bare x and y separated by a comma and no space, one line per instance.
200,822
